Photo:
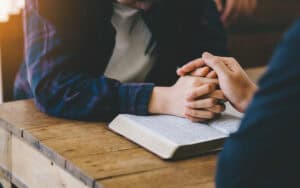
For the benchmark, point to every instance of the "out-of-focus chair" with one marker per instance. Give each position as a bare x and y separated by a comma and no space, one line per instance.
253,39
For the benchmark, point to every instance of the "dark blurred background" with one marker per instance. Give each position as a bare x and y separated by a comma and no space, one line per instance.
251,40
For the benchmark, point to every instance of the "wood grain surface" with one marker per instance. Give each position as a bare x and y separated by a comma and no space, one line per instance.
40,150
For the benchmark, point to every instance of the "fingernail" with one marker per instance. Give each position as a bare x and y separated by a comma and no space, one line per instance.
207,55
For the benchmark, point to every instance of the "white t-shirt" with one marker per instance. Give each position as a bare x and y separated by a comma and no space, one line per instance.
129,63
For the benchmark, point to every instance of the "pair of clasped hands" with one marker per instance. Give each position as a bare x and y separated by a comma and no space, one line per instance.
203,83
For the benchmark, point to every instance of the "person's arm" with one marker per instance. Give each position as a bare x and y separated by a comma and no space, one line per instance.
59,68
262,153
210,34
202,29
60,72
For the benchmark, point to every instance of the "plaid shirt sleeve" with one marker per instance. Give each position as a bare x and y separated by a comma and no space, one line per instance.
62,90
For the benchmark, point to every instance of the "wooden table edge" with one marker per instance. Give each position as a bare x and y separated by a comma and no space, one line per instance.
48,153
53,156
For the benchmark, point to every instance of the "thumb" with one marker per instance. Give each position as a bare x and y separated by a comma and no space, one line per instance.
216,63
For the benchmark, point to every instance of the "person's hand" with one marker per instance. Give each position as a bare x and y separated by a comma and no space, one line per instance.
233,80
197,68
234,8
191,97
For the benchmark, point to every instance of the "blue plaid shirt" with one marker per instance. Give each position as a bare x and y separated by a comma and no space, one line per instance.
65,78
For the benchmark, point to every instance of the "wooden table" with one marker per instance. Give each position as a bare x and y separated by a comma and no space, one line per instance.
39,151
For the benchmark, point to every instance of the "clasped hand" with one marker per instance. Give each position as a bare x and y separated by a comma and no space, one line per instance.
232,79
193,97
203,83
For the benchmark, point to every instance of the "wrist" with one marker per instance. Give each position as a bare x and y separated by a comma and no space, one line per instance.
159,101
248,97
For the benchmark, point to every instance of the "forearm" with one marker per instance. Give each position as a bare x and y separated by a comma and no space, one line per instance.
76,97
159,100
243,105
64,74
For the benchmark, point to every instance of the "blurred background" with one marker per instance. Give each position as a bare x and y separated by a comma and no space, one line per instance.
251,39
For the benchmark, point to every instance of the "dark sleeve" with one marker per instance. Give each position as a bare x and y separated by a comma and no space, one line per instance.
264,152
214,36
60,66
184,30
206,31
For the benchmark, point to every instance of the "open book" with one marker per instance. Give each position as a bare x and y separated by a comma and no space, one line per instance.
172,137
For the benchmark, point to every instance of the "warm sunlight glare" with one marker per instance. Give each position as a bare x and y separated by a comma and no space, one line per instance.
8,7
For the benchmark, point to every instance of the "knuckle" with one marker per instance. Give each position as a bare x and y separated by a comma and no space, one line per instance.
197,93
232,59
207,88
193,94
222,95
199,81
195,82
193,105
211,102
210,115
219,94
193,113
188,111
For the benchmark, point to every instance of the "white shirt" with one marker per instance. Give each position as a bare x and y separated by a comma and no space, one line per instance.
129,63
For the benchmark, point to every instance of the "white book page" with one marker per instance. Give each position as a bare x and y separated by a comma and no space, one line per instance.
177,130
229,122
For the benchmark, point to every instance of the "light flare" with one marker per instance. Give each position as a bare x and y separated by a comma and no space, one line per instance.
10,7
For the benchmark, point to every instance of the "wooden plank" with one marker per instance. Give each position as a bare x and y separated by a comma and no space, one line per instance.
5,151
36,119
119,163
28,116
197,172
24,122
88,142
93,142
91,139
5,158
4,182
34,170
98,153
